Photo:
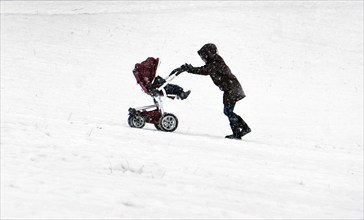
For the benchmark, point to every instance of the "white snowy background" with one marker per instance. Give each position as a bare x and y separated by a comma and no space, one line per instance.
66,84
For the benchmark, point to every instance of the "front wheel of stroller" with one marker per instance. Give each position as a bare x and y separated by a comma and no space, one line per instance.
168,122
136,121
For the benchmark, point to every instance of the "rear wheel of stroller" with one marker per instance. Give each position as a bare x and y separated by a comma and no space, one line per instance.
130,123
168,122
136,121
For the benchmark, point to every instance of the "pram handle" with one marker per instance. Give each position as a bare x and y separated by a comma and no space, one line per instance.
173,74
178,71
169,78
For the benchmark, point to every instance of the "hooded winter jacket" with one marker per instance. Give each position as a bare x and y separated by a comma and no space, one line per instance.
220,74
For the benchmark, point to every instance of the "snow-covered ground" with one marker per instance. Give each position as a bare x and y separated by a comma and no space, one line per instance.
67,83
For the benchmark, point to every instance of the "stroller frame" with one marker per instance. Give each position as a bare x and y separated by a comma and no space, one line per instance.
155,113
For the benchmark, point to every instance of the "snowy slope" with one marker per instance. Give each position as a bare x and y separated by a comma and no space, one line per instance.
67,83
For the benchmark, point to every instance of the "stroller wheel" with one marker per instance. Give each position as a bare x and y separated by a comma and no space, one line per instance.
136,121
168,122
130,121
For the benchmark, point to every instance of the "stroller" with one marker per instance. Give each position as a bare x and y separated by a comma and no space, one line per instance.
155,87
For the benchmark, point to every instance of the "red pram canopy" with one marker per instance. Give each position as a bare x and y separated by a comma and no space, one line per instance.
145,71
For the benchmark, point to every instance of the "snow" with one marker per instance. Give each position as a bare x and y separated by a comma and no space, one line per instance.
67,151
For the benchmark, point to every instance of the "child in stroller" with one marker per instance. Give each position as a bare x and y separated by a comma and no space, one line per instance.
172,90
158,88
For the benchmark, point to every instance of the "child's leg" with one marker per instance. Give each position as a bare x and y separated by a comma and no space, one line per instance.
176,90
173,89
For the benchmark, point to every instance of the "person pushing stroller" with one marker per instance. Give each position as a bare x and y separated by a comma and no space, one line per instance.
222,77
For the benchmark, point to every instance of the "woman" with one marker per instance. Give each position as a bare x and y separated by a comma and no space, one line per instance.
221,75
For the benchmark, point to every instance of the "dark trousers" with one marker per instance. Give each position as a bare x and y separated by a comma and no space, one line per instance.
229,112
235,120
173,89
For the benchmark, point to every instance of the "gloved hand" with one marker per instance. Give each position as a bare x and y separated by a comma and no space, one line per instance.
187,67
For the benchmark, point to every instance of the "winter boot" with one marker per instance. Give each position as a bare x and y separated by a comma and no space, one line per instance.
244,127
184,95
244,132
242,123
236,132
